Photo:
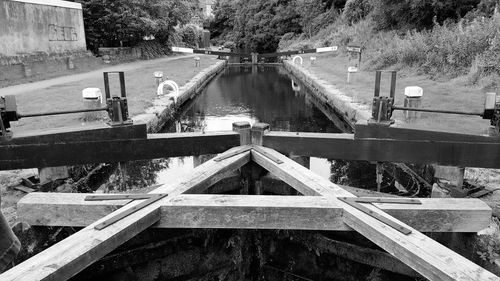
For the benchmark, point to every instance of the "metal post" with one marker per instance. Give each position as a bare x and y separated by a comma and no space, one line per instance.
122,84
106,85
392,92
378,76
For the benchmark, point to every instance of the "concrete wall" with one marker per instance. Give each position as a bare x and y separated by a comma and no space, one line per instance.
32,26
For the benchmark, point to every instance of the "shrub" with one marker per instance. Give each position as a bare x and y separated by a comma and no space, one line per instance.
448,48
190,35
356,10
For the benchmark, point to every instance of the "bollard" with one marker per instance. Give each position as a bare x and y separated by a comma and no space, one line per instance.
70,63
158,77
243,128
313,60
196,61
413,98
258,131
92,98
350,72
27,70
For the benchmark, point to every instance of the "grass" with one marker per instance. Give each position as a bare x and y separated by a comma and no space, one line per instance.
140,85
467,48
452,94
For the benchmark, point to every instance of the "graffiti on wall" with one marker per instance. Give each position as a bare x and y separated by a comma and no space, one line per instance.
62,33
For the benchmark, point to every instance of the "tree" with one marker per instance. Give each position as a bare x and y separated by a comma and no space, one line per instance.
418,14
126,22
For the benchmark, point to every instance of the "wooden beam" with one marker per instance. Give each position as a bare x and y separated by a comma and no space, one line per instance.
345,146
426,256
79,134
70,256
108,151
259,212
365,131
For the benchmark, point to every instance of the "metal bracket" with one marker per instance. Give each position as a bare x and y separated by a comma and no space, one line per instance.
245,149
382,106
269,156
234,153
357,202
117,105
151,198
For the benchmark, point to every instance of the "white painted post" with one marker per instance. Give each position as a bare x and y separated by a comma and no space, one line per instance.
158,77
350,72
313,60
92,98
413,98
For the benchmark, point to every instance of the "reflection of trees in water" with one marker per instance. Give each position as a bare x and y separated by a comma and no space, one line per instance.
144,173
194,123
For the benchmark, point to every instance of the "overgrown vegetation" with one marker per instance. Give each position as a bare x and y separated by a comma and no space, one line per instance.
258,25
117,23
440,38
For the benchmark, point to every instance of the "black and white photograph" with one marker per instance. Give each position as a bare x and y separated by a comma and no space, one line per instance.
250,140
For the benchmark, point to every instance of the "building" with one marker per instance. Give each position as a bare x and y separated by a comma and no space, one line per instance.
34,26
39,37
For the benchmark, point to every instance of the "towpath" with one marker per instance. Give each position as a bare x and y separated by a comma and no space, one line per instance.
64,93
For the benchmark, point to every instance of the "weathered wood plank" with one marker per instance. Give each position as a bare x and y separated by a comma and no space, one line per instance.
345,146
426,256
259,212
364,131
79,134
336,146
108,151
73,254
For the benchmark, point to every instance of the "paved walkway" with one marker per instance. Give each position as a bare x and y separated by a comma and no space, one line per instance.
35,86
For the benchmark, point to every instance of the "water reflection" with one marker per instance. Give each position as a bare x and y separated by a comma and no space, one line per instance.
246,93
240,95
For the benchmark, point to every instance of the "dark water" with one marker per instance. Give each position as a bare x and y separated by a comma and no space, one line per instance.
258,94
247,93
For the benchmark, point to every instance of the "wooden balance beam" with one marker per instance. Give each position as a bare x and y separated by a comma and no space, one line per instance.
334,146
347,147
429,258
254,212
66,153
